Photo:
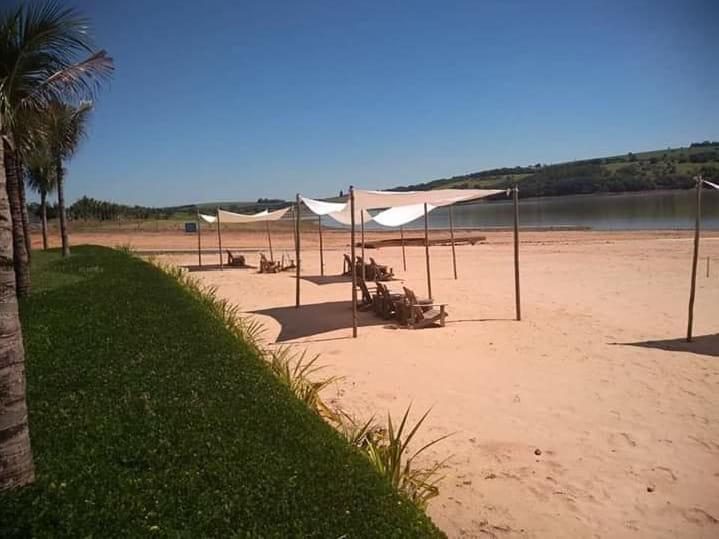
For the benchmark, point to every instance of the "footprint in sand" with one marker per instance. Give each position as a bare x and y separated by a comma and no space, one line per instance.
695,515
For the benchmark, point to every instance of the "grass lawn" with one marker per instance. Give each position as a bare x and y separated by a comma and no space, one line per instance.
149,418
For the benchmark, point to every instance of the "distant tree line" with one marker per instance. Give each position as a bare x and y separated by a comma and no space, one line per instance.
89,208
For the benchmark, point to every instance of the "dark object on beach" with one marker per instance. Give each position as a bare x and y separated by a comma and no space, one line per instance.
650,488
537,451
234,259
190,228
419,242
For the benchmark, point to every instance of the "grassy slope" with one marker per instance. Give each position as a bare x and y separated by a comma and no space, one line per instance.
148,417
671,155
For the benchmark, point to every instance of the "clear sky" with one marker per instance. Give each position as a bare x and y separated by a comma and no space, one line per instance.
235,100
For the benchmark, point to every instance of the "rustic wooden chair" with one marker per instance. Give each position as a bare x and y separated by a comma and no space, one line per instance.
368,300
235,259
387,304
379,272
268,266
346,265
422,315
288,264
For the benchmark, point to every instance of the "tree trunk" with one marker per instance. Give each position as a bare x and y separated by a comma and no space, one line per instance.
61,209
43,214
21,262
16,466
23,208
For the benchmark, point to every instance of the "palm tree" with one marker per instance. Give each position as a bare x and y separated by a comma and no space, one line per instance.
41,178
39,48
66,128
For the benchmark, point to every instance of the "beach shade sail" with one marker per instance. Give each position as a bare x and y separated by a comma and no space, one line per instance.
710,184
224,216
399,208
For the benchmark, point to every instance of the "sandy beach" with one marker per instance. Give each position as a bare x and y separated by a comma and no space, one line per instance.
589,418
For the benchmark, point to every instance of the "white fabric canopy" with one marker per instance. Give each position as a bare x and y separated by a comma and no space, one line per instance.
339,211
715,186
264,215
208,218
368,200
401,215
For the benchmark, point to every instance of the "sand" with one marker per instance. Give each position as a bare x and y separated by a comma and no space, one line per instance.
597,377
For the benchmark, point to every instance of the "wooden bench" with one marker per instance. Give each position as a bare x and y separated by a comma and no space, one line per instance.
269,266
235,259
422,315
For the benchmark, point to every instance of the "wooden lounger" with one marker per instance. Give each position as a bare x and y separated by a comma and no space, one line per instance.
235,259
387,304
378,272
268,266
368,300
422,315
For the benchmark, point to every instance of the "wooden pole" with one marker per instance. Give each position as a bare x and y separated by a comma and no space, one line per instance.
518,306
708,260
294,230
451,233
322,256
354,265
269,240
363,260
297,253
219,237
404,258
697,227
199,241
426,253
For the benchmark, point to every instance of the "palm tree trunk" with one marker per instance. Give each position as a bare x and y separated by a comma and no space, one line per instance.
61,209
43,214
23,208
16,465
22,266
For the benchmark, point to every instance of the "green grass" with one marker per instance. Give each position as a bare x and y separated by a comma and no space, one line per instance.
148,417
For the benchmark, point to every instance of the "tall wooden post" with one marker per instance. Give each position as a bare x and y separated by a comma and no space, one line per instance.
697,227
518,306
322,256
294,230
297,253
404,258
269,240
199,241
219,237
426,253
451,233
354,264
363,260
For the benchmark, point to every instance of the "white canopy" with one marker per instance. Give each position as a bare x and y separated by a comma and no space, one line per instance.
368,200
401,215
715,186
264,215
207,218
339,211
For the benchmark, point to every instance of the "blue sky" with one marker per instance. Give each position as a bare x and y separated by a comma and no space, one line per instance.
226,100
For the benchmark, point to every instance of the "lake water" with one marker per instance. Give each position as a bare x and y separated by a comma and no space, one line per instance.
626,211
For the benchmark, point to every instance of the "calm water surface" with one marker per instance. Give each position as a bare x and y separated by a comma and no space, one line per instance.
660,210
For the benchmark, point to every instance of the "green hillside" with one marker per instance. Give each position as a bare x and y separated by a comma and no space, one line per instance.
672,168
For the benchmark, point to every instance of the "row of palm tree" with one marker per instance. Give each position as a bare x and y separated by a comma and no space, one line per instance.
49,68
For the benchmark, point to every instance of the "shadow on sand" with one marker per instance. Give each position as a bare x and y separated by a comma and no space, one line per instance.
706,345
326,279
317,318
216,267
